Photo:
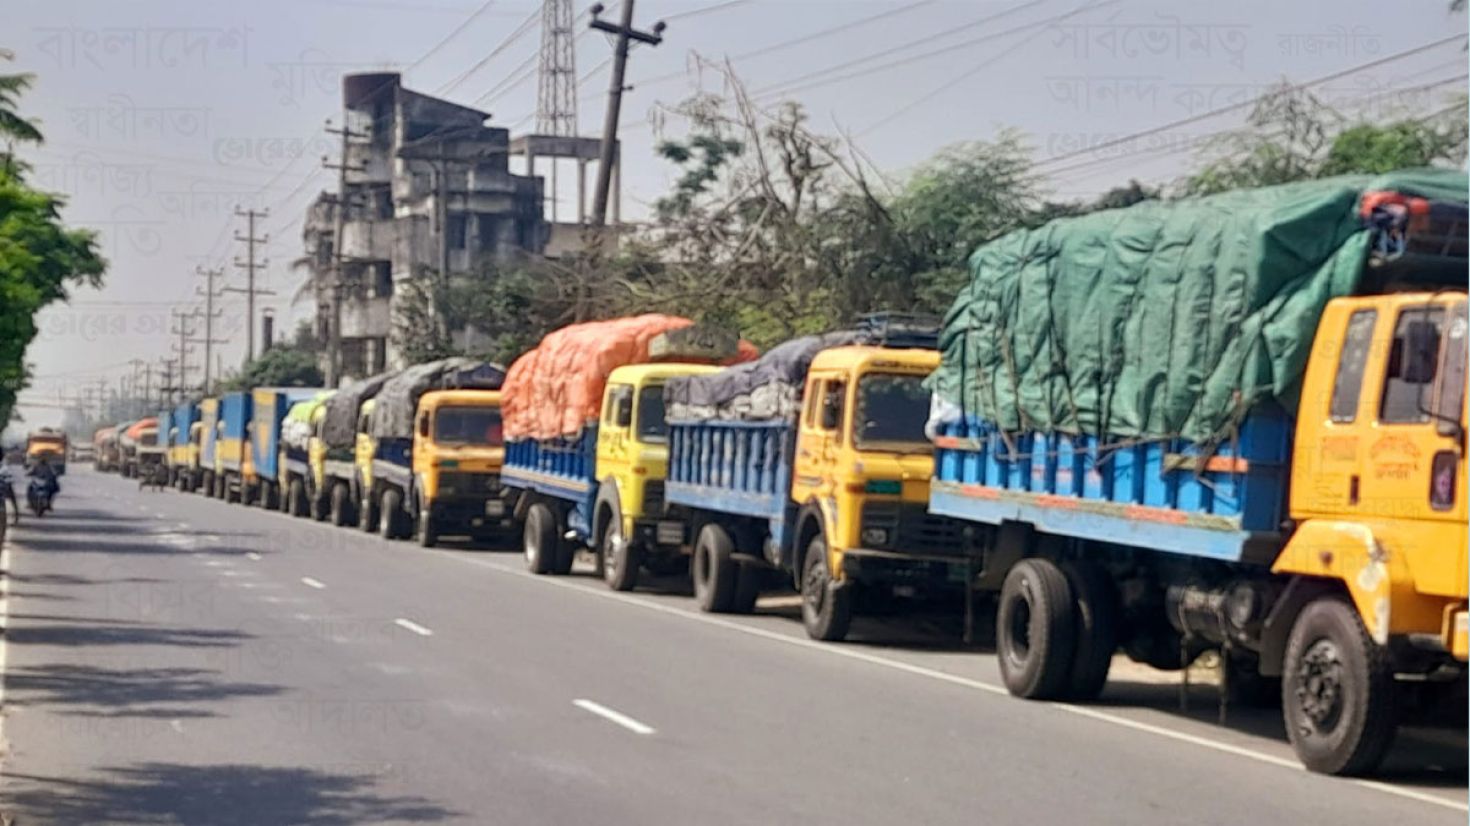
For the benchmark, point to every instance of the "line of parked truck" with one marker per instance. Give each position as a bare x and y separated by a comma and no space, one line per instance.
1316,539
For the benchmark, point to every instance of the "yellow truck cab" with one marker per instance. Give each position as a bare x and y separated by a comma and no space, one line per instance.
457,452
49,445
1379,473
632,464
363,451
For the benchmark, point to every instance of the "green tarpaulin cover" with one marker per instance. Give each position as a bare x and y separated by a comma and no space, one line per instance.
1162,319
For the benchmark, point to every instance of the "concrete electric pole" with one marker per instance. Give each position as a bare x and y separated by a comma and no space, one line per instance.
249,265
625,34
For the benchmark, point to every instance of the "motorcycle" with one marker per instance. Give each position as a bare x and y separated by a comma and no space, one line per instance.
38,496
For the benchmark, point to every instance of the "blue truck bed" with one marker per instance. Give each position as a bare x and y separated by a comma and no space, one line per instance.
234,413
268,411
735,467
183,417
1152,495
560,468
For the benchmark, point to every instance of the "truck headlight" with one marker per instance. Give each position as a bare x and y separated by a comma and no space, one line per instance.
875,537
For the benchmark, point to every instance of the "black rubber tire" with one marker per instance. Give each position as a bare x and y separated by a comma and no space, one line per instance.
367,514
340,509
1097,628
267,496
233,493
390,511
621,559
426,532
1036,601
540,544
747,589
826,607
1329,647
714,573
296,501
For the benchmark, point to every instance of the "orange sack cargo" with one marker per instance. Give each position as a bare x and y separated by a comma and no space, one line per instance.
556,388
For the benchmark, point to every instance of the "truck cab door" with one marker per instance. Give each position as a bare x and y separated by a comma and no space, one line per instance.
614,436
818,437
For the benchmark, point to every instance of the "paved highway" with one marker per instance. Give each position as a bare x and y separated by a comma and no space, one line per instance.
170,658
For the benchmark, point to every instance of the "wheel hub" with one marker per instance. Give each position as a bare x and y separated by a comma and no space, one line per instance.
1319,690
816,595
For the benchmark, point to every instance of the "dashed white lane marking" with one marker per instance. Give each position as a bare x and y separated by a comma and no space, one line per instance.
413,626
306,580
176,726
253,556
955,679
213,563
229,573
615,716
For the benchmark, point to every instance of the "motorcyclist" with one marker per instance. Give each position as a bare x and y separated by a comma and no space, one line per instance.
42,470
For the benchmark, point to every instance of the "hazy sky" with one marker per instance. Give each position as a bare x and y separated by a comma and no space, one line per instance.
161,117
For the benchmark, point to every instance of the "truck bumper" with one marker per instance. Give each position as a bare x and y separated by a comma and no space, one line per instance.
1456,632
871,566
475,515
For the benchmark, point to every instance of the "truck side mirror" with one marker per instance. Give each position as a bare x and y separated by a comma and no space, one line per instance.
424,425
623,410
832,410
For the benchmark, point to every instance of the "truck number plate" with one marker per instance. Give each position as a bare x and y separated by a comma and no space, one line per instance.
494,507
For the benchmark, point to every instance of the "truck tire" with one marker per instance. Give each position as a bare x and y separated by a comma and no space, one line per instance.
1338,695
540,543
367,513
621,559
390,514
714,573
234,493
826,607
341,508
1097,628
296,498
426,532
747,589
1035,630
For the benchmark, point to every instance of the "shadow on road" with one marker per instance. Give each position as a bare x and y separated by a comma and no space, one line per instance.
222,794
92,691
112,634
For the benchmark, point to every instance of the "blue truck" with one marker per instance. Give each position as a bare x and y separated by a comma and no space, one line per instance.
268,407
232,454
180,429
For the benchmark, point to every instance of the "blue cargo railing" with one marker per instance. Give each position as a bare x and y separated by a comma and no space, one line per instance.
561,468
1156,494
737,467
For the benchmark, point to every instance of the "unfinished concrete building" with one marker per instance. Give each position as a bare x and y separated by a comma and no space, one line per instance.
425,188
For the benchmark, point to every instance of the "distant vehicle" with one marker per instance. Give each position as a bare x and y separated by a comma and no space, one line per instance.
49,444
83,453
39,496
268,408
130,438
232,454
106,457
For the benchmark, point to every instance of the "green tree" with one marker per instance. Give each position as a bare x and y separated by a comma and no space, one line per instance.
285,365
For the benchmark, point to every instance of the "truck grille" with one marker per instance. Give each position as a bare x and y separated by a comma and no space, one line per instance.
458,483
911,528
653,498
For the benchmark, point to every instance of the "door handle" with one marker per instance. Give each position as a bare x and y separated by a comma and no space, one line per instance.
1353,489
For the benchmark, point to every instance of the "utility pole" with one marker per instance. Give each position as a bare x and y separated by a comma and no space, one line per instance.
210,314
334,335
625,35
181,319
250,266
165,391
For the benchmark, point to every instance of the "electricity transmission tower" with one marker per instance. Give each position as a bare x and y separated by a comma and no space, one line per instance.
556,95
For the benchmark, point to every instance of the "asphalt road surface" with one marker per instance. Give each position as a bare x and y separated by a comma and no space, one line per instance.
174,659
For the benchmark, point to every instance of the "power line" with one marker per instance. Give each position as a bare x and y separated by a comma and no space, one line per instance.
465,24
1253,101
519,32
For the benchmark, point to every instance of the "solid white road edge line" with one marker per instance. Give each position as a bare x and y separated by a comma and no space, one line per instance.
615,716
306,580
253,556
4,618
413,626
955,679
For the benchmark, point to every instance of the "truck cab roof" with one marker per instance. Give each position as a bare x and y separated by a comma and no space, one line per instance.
449,398
643,373
863,357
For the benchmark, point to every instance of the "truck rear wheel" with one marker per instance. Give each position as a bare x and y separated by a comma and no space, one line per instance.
1097,629
341,509
1338,696
296,498
826,607
714,573
1035,630
621,558
390,517
367,513
541,544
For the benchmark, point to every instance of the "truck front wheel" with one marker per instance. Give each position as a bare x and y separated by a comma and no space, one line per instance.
1337,695
826,606
1035,631
341,510
540,542
621,558
428,532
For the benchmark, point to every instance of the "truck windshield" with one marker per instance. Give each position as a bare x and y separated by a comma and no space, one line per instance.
468,425
651,424
891,410
1450,403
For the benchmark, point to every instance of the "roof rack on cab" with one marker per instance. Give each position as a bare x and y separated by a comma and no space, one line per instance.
900,330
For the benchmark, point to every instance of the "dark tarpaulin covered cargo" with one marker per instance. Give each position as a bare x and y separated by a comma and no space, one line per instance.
399,397
339,423
767,388
1162,319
